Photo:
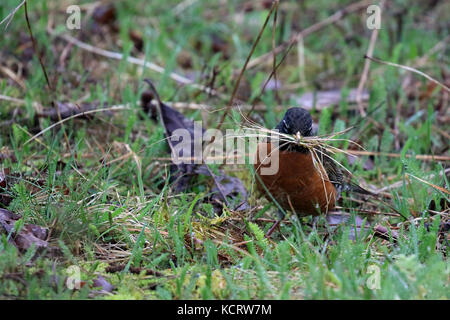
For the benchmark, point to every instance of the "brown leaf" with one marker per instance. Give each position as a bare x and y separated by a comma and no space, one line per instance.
383,233
231,187
101,282
30,233
273,85
137,39
181,174
184,59
105,14
337,219
5,153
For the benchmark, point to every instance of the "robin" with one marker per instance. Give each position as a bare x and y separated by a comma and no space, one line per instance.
305,183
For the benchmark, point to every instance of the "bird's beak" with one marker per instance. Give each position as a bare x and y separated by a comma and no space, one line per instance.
298,136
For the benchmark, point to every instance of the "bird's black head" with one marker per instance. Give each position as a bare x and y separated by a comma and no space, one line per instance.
296,120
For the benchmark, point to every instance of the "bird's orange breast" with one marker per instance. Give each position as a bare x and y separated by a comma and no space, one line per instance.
297,184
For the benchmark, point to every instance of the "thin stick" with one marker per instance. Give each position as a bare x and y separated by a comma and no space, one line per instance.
152,66
315,27
14,77
236,86
430,184
399,184
33,41
274,70
438,46
373,212
397,155
120,107
362,81
409,69
274,64
12,99
10,16
44,70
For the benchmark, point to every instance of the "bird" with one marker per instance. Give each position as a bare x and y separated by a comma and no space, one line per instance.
306,183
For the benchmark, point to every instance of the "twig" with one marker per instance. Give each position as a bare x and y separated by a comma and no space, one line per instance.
274,58
362,81
152,66
397,155
44,70
120,107
178,105
272,73
10,16
430,184
179,8
290,45
369,211
398,184
36,50
12,99
338,15
438,46
9,73
236,86
409,69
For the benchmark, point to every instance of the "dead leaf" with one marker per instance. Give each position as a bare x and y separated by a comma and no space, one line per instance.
30,233
137,39
231,187
181,174
184,59
383,233
101,282
105,14
338,219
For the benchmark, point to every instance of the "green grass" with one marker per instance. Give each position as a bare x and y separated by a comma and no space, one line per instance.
101,208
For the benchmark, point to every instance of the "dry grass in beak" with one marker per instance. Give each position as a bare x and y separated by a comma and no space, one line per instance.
319,146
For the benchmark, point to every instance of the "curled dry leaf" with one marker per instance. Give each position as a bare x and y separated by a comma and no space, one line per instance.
29,235
384,233
231,187
101,282
359,224
226,187
105,14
